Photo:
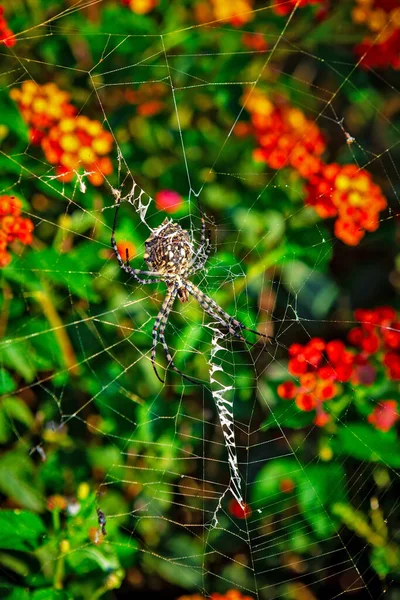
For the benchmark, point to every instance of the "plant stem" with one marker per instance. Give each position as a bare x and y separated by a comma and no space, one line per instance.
98,593
59,573
45,301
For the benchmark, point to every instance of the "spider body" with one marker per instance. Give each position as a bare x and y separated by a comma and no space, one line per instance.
171,257
169,251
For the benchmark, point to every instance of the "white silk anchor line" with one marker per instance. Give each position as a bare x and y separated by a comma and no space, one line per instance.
224,406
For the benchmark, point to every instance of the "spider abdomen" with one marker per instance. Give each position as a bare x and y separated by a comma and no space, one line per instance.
168,249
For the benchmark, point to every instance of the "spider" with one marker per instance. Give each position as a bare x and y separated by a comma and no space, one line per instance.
171,257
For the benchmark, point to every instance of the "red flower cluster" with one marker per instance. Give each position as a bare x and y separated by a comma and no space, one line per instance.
348,193
284,7
7,37
68,142
79,142
382,18
379,332
284,135
322,368
12,226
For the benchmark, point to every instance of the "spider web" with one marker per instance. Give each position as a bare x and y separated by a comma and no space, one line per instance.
182,452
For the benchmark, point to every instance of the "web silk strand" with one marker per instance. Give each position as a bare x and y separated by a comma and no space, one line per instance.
221,394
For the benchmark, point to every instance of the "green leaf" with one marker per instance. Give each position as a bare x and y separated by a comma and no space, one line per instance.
7,383
15,408
13,593
50,594
11,117
365,443
16,480
21,530
85,560
316,493
266,489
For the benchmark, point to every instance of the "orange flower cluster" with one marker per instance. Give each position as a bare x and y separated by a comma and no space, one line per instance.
12,226
382,18
79,142
284,7
235,12
322,368
68,142
284,135
148,98
41,106
6,35
140,7
348,193
229,595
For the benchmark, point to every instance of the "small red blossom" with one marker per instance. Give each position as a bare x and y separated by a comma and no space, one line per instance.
255,41
325,390
384,415
237,510
287,485
168,200
321,419
285,7
126,250
308,381
7,37
149,98
297,366
305,401
12,227
287,390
